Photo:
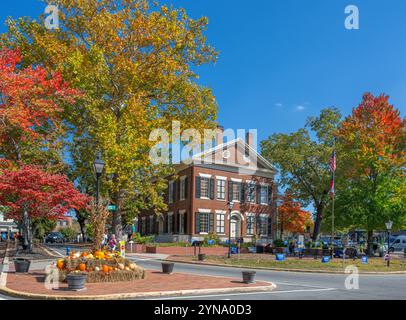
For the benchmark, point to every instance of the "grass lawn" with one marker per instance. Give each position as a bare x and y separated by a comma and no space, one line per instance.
268,261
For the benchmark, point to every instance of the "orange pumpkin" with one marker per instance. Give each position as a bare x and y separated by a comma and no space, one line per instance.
82,267
110,269
105,268
60,264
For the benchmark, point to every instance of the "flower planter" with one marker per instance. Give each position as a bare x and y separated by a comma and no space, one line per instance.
201,256
76,281
167,268
22,265
248,276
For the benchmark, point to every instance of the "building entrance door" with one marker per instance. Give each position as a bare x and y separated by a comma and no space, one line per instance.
235,227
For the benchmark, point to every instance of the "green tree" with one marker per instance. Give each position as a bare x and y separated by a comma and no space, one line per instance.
136,67
303,157
69,233
371,179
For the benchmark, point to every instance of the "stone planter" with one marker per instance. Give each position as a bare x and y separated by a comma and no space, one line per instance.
150,249
167,267
201,256
22,265
248,276
76,281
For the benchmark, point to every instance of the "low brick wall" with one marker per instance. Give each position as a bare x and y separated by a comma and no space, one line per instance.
138,248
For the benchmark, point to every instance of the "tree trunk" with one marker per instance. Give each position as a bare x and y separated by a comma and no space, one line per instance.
27,231
370,250
317,223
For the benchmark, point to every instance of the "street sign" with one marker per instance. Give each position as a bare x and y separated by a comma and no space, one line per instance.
122,249
112,207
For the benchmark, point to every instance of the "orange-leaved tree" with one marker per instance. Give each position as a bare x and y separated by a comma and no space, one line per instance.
291,216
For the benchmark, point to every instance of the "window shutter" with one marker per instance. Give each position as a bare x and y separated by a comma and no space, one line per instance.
185,223
198,185
211,189
230,191
178,187
269,227
270,195
211,224
186,188
258,193
242,192
165,224
174,229
197,222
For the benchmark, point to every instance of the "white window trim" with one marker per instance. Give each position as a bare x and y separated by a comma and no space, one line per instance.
205,175
182,181
170,213
221,178
204,210
221,211
236,180
182,211
260,195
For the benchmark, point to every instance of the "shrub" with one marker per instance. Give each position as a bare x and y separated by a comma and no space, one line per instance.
68,233
211,236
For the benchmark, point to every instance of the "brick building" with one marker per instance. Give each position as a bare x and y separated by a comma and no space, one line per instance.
199,191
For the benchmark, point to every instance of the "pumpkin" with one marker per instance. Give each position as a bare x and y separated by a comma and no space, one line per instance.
99,254
132,266
110,269
60,264
121,266
105,268
82,267
89,256
97,269
127,269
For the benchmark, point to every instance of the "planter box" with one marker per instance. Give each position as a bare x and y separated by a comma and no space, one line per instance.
149,249
76,281
248,276
167,267
22,265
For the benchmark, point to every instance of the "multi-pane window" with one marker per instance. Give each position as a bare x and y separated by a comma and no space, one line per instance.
221,189
264,195
236,191
169,220
183,188
250,224
220,223
263,225
251,192
181,223
204,187
204,219
171,191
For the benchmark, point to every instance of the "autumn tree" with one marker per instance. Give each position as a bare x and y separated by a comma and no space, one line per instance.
29,193
31,106
136,65
371,179
302,158
291,217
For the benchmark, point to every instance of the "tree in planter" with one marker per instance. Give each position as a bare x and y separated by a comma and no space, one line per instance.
30,193
371,179
304,162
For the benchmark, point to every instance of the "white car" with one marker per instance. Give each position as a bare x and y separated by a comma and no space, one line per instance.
399,244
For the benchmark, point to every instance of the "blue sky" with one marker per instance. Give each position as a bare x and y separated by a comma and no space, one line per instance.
282,61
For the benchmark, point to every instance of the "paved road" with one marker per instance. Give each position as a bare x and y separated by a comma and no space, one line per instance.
294,285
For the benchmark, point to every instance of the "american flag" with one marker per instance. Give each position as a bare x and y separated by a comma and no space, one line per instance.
333,162
332,191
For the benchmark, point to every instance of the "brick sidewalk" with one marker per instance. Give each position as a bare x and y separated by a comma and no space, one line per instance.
155,282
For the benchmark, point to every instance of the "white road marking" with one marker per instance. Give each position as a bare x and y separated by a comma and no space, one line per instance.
247,293
56,251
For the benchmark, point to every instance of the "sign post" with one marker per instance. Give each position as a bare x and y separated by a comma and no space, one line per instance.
122,249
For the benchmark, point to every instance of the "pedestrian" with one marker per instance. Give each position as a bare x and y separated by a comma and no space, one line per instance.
113,242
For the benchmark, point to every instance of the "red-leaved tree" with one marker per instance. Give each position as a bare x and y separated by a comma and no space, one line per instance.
31,105
291,216
29,192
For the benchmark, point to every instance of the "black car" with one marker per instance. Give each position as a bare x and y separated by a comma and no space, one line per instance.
55,237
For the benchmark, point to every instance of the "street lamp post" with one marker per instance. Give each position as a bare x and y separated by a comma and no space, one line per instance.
388,227
98,166
230,207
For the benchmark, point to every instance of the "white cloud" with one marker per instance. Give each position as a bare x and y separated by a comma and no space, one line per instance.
300,108
278,104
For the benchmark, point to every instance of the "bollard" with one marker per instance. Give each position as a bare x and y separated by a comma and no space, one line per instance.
67,251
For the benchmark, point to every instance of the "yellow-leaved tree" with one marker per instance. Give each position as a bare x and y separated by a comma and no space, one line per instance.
135,63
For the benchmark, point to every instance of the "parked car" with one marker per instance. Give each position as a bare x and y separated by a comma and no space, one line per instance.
399,244
54,237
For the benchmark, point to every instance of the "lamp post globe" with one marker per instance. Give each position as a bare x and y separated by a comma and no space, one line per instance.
230,207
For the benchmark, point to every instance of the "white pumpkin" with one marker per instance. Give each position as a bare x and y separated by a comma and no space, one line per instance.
97,269
77,255
89,256
121,266
132,266
127,269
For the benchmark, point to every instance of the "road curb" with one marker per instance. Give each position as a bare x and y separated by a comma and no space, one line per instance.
135,295
285,270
